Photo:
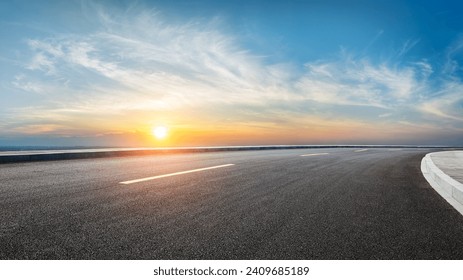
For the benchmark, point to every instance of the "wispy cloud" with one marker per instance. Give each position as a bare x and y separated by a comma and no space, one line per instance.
407,46
448,104
22,82
451,64
140,64
151,60
373,41
360,83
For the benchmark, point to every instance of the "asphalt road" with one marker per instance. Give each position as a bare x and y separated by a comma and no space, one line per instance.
337,204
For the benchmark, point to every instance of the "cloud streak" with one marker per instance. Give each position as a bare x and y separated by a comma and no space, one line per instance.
139,64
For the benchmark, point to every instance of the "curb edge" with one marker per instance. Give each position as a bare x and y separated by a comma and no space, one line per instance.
443,184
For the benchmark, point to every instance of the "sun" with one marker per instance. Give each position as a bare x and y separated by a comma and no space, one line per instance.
160,132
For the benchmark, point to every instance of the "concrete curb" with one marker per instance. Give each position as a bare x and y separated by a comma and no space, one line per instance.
446,186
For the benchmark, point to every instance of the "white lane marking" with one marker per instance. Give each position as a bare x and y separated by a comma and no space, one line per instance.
173,174
363,150
319,154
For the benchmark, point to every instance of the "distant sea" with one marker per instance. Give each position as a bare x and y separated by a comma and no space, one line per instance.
35,148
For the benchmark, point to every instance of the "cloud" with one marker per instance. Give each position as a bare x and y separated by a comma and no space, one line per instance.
359,83
136,66
385,115
448,104
45,56
407,46
150,59
21,82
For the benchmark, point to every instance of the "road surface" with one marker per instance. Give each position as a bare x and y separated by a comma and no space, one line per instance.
275,204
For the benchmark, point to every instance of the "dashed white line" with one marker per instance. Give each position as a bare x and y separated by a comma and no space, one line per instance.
363,150
319,154
173,174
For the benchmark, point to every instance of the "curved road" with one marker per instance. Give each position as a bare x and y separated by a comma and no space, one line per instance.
328,204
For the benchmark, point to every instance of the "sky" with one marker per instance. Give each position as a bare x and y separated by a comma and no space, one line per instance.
106,73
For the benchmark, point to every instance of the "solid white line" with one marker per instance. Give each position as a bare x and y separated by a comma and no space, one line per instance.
173,174
363,150
319,154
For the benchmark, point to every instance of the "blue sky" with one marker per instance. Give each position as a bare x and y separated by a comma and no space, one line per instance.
231,73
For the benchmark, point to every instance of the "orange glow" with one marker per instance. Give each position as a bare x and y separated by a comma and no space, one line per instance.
186,128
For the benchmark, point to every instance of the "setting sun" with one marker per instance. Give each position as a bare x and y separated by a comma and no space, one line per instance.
160,132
